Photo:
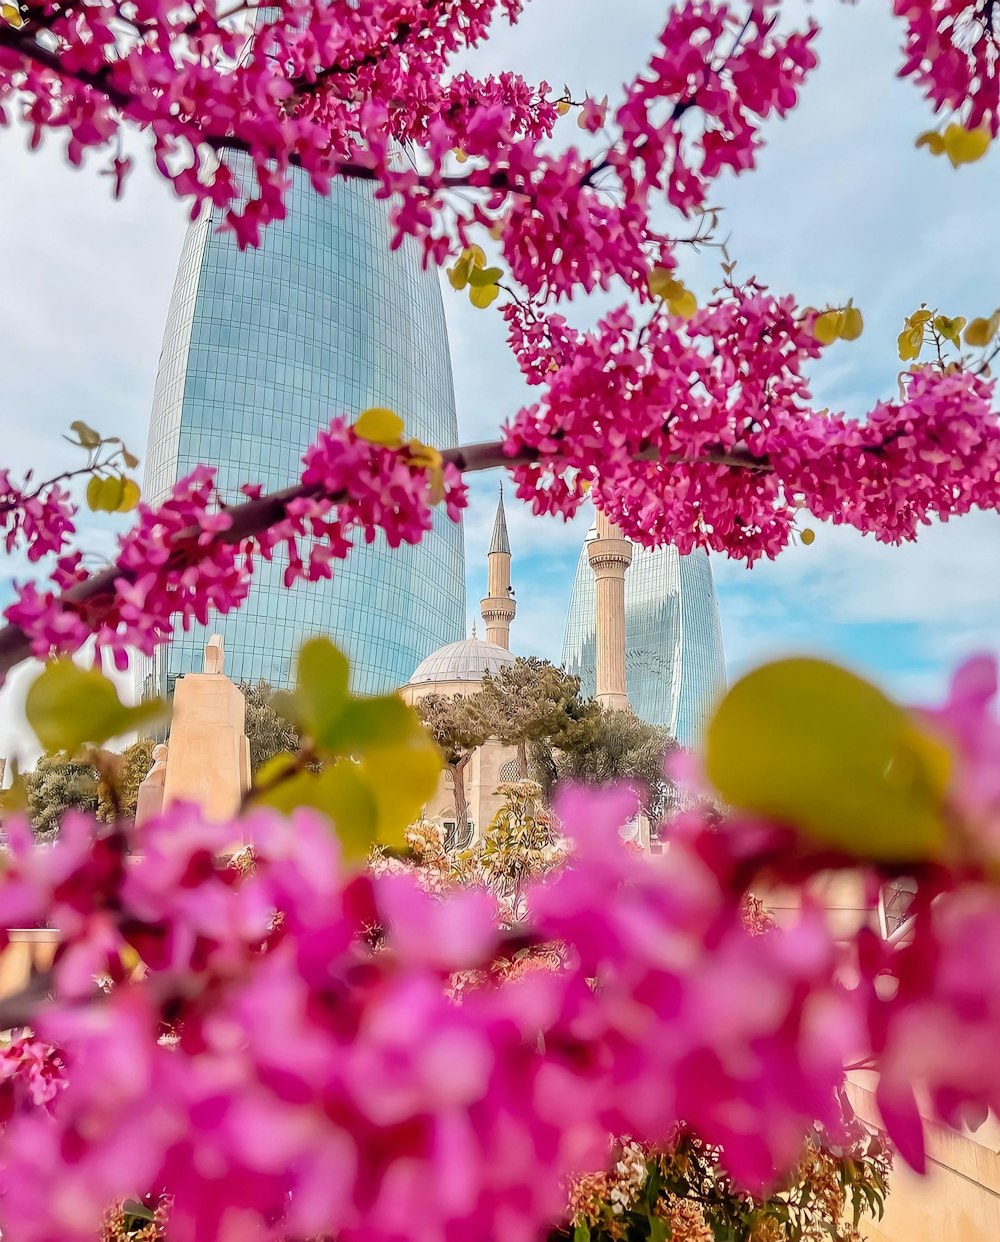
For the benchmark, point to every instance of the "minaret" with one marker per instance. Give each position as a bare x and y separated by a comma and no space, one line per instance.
610,554
498,607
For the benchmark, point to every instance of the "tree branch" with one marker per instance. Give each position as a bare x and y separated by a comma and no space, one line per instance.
254,516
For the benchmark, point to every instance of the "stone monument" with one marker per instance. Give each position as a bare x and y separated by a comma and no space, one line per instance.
208,758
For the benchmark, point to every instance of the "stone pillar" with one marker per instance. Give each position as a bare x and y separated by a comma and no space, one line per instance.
498,608
207,760
610,555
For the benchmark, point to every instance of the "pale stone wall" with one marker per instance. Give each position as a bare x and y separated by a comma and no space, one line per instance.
29,948
958,1200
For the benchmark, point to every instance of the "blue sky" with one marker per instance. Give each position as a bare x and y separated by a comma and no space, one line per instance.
842,205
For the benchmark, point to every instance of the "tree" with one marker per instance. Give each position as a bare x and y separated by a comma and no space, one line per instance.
124,774
615,747
267,730
531,701
57,784
459,726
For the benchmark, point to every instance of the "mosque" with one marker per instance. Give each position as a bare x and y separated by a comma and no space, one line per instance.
459,668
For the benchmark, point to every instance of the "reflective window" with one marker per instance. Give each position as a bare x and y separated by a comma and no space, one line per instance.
260,349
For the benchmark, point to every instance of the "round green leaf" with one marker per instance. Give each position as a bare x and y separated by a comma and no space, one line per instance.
321,689
813,746
68,706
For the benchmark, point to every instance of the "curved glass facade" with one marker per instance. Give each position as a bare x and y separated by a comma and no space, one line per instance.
261,348
674,661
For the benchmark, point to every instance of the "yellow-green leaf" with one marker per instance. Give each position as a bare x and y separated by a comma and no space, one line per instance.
68,706
910,342
458,273
852,324
826,327
815,747
130,496
485,276
379,426
965,146
105,495
321,689
919,318
562,107
341,793
950,329
684,304
87,436
476,256
932,140
402,779
663,283
484,295
807,536
981,331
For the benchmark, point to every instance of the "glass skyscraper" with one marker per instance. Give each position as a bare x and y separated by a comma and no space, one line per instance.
261,348
674,664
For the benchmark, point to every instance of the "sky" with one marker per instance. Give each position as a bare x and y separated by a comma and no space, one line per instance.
842,205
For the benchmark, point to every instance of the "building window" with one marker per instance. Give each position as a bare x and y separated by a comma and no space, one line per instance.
451,840
508,771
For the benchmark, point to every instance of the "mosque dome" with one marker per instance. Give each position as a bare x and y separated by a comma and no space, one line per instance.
467,660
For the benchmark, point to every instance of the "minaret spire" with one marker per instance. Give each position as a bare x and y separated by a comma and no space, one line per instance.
498,608
610,554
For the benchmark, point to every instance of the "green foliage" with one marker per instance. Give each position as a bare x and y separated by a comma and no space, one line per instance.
366,763
458,725
683,1192
268,731
604,748
810,744
531,701
68,706
121,775
56,785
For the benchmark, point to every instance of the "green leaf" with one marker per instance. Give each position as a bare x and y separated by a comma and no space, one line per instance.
581,1232
321,690
811,745
340,792
402,778
371,722
826,327
68,706
87,436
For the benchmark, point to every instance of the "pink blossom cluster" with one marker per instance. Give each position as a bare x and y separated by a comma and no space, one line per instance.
40,521
282,1070
31,1076
719,71
951,50
291,85
182,560
701,433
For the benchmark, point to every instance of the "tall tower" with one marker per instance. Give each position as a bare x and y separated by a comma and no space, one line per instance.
498,608
674,660
262,347
610,554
